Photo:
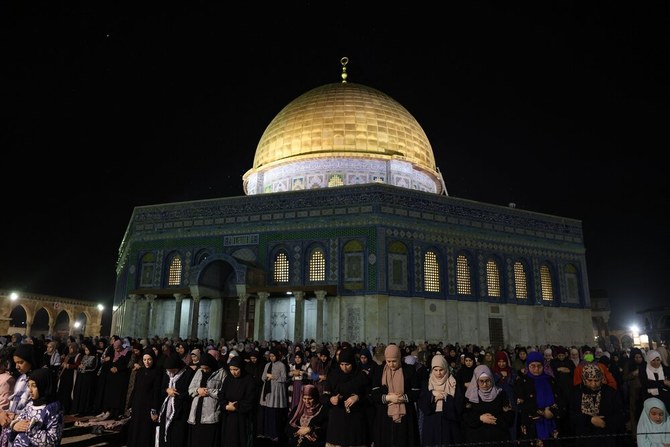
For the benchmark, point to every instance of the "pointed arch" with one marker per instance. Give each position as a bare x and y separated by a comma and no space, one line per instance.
463,275
546,283
175,270
493,283
431,271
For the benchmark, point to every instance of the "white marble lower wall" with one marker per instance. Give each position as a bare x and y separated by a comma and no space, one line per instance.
383,319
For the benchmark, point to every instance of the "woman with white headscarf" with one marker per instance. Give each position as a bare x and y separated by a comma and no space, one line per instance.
441,403
488,414
395,391
655,379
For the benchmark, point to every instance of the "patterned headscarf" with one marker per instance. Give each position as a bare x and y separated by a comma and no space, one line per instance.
591,398
304,414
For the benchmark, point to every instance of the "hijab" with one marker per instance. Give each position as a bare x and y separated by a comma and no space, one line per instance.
174,361
465,372
119,353
474,393
45,386
502,355
591,398
304,413
446,385
394,380
208,360
26,353
650,434
238,363
544,395
651,355
365,352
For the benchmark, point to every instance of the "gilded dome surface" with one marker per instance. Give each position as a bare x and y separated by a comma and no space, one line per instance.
349,130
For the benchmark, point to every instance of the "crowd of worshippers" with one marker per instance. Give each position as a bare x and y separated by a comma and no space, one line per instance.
201,392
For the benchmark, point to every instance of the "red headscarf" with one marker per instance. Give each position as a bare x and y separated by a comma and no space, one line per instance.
502,355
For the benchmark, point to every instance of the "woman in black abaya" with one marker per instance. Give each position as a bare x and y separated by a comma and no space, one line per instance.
145,402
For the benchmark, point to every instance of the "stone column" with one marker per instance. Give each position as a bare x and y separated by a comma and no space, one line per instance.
177,315
320,302
129,322
195,310
260,320
242,317
299,322
29,324
150,310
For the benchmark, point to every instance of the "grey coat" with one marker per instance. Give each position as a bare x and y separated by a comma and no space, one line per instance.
211,410
278,395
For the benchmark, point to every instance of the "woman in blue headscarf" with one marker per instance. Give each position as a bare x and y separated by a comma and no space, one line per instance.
539,401
653,428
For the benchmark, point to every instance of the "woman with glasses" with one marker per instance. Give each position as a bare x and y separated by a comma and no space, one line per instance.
488,414
539,401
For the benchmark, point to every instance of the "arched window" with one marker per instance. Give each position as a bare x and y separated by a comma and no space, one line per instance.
431,272
545,284
492,278
280,268
572,284
174,272
317,265
397,266
520,281
463,278
147,270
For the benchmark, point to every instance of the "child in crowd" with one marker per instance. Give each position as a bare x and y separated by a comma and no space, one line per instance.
40,423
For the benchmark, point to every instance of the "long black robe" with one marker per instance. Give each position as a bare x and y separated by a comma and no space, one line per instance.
478,432
441,427
237,426
116,385
611,407
145,397
347,428
177,432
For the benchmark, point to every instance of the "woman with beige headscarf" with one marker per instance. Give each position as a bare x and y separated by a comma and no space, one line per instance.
441,402
395,391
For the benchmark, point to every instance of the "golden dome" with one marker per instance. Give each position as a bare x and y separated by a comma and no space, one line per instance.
343,121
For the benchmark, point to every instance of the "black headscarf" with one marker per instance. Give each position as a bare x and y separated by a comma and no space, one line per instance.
238,363
27,353
347,383
208,359
45,386
174,361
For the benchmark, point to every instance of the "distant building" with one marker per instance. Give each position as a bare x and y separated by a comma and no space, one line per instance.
48,315
656,324
346,233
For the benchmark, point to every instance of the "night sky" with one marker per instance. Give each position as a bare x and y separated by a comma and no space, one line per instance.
559,107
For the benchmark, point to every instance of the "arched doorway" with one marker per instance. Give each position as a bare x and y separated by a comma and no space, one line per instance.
62,326
80,324
40,323
218,281
18,323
